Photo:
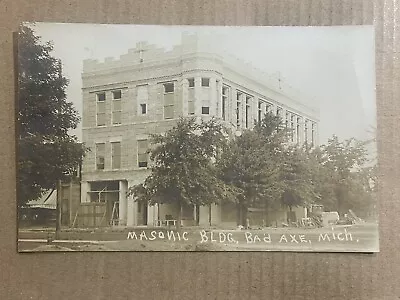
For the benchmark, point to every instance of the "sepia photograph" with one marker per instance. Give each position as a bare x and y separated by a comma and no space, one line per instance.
196,138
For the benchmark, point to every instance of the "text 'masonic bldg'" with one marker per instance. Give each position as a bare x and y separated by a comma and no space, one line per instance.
144,92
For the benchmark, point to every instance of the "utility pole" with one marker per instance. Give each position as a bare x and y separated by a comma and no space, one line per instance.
58,210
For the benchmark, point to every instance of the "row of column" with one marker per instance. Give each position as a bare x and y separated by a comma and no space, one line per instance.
242,109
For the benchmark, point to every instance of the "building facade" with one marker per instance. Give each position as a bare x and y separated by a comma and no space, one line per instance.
144,92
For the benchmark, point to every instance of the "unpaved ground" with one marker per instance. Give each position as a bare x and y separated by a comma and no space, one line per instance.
128,245
364,239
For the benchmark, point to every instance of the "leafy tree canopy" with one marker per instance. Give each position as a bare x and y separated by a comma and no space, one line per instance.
46,150
183,170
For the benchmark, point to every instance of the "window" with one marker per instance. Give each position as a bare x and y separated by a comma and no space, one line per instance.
168,87
247,112
101,109
101,97
306,126
116,94
142,99
102,191
205,82
298,129
292,126
116,155
142,153
100,153
248,98
205,110
191,107
259,110
169,99
191,82
225,93
143,108
287,120
268,108
116,111
312,133
238,105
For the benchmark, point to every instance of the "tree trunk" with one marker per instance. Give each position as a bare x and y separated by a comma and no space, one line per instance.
209,215
244,216
197,215
58,210
179,217
238,214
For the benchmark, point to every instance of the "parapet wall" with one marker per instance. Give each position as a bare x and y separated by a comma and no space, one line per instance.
205,45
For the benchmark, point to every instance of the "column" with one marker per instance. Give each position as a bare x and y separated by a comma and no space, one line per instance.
152,215
294,128
218,112
212,96
231,107
185,96
215,214
204,215
85,188
123,204
130,217
254,111
306,131
131,209
197,96
243,111
314,126
273,108
301,130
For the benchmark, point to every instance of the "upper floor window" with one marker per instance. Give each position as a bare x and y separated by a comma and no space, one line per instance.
169,100
205,110
142,99
101,109
247,112
238,108
143,108
100,154
101,97
116,110
169,87
313,133
205,82
142,153
191,82
117,94
298,121
116,155
225,95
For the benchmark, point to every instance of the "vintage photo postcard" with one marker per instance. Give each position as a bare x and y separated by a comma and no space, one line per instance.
185,138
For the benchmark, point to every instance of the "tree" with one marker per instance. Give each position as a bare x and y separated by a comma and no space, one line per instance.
46,151
183,171
252,165
349,180
297,171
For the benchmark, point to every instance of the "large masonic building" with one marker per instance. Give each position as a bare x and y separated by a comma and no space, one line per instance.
144,92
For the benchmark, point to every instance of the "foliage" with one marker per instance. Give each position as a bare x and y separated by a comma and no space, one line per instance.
348,180
183,170
46,151
252,164
297,178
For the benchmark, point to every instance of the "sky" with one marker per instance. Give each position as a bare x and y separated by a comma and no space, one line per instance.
334,67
